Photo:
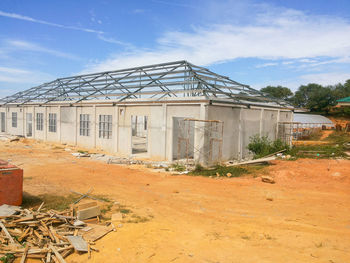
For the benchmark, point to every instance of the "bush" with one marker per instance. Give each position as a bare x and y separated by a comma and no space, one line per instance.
262,146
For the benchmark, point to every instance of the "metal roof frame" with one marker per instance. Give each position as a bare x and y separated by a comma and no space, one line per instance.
173,79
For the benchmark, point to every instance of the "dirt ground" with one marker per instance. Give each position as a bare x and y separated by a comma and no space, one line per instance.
199,219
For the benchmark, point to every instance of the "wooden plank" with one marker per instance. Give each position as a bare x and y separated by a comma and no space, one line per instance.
78,243
24,256
7,233
57,254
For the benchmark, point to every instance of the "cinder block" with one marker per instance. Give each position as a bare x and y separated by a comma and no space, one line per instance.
88,212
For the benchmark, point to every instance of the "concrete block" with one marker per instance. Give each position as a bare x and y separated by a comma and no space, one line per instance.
88,212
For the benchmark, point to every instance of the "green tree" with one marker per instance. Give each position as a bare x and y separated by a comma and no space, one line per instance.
314,97
277,92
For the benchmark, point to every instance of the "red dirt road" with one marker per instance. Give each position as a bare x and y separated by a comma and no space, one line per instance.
197,219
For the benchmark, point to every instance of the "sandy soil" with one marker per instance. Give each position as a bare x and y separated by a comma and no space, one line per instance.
197,219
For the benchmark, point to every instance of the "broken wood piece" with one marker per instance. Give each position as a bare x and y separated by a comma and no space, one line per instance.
83,196
78,243
260,160
24,256
41,206
97,232
57,254
7,233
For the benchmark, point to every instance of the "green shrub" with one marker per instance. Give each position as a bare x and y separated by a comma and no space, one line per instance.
262,146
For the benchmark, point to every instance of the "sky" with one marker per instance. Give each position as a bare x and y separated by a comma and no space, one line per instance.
258,43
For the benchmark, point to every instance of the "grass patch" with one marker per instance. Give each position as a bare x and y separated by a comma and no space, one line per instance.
55,202
8,258
314,136
235,171
137,219
178,167
338,137
317,151
262,146
125,211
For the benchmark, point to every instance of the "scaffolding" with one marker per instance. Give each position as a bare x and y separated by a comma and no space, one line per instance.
155,82
200,140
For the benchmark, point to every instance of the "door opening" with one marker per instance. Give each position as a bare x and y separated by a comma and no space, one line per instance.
3,128
29,118
139,133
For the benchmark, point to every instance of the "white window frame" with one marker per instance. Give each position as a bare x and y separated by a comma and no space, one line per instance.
84,125
52,122
14,119
39,121
105,126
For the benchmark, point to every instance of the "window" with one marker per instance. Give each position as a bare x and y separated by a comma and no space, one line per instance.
14,119
40,121
84,125
105,126
52,122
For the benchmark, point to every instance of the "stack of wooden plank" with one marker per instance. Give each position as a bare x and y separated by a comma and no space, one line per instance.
48,236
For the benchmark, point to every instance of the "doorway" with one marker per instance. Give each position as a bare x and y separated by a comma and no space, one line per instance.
29,124
139,134
3,121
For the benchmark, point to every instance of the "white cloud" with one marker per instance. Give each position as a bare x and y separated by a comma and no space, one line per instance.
16,75
278,34
329,78
15,45
264,65
33,20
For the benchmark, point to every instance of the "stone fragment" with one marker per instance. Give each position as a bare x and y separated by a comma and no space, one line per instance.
267,179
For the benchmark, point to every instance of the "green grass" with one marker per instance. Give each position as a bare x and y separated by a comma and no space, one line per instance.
317,151
235,171
338,137
55,202
8,258
334,147
178,167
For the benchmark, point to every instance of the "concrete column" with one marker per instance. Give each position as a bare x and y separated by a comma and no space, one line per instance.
59,124
46,123
93,125
76,126
240,134
278,120
23,120
261,122
199,136
164,130
116,140
33,123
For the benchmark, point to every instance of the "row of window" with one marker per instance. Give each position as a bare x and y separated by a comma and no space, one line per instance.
104,127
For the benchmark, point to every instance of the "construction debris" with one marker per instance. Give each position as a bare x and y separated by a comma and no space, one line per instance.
267,179
50,236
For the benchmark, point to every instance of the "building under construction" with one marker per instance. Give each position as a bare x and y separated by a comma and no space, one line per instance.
167,111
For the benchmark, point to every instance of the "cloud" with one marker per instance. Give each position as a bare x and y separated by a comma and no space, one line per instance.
33,20
264,65
278,34
16,45
329,78
114,41
16,75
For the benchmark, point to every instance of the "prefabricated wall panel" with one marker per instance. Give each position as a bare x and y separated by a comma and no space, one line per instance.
240,123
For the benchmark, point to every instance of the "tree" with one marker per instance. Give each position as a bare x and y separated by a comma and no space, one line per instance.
277,92
314,97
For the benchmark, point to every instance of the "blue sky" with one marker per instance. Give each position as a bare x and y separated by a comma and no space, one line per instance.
258,43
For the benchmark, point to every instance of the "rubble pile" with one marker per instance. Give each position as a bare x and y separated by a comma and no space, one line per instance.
48,236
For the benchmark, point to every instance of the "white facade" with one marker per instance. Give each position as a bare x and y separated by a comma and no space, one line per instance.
240,122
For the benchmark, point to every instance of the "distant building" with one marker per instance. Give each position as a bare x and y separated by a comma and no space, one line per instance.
344,102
